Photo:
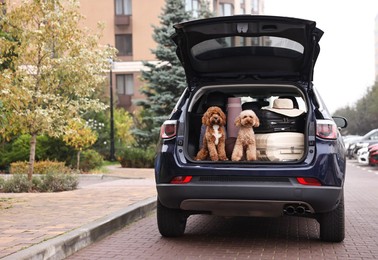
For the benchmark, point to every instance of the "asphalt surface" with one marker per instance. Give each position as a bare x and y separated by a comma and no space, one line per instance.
56,225
287,237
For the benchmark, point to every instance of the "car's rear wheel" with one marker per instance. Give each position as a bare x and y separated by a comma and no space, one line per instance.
171,222
332,224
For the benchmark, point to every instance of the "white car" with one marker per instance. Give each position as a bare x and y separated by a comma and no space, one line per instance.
363,156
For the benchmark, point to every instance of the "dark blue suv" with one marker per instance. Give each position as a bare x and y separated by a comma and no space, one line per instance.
255,60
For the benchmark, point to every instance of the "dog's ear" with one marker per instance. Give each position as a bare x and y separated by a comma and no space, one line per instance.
223,116
205,118
256,121
238,121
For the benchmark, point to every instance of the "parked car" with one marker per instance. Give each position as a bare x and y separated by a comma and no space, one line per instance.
363,156
373,154
255,60
349,140
369,138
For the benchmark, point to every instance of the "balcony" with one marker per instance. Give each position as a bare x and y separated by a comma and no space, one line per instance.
120,20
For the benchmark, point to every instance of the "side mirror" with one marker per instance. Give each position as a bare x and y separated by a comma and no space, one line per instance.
341,122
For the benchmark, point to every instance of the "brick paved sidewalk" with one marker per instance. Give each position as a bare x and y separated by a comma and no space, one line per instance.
27,219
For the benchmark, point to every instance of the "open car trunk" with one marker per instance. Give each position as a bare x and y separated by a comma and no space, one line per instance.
282,112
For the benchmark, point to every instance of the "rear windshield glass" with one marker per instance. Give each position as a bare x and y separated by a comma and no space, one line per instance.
244,43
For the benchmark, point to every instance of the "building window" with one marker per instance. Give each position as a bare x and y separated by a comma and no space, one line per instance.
192,6
242,6
255,7
124,44
125,84
226,9
123,7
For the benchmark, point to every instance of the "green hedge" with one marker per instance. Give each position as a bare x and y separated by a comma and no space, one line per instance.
18,150
89,160
133,157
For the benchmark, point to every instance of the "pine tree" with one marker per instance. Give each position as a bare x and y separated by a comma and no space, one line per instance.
165,81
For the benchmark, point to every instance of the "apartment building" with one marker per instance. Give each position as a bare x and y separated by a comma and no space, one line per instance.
128,27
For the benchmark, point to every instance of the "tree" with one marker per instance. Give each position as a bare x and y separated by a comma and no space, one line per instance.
7,53
123,122
204,11
363,116
59,68
79,136
165,81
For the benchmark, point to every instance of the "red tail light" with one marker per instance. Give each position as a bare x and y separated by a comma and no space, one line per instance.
168,129
326,129
309,181
181,179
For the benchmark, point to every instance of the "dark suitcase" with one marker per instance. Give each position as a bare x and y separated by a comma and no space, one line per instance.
271,122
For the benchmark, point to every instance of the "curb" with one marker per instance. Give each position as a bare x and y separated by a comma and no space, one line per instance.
65,245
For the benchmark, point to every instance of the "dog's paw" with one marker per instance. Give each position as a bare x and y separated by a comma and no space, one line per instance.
236,158
214,158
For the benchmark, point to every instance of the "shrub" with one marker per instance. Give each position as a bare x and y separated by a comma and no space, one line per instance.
133,157
2,182
54,182
51,182
37,183
89,160
47,148
41,167
17,183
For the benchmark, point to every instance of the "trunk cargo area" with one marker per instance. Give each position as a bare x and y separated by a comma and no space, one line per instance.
281,110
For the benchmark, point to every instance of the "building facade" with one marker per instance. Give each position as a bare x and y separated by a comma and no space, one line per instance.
128,27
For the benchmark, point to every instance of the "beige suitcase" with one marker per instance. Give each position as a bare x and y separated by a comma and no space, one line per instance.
283,146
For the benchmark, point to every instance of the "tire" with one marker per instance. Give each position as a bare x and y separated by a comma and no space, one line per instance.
332,224
171,222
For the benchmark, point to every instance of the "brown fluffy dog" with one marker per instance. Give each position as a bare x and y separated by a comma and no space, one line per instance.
214,139
246,137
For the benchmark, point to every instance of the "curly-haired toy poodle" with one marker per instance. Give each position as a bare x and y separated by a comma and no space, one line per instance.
246,136
214,138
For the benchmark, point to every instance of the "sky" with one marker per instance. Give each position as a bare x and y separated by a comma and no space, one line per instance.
345,68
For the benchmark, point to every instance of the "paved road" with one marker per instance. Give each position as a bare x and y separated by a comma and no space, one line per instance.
209,237
36,221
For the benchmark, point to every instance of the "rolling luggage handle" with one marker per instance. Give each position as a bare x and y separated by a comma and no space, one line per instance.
233,110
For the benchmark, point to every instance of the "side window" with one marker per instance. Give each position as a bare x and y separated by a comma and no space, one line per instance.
124,44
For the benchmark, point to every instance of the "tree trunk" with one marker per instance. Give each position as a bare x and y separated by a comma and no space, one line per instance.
33,142
78,160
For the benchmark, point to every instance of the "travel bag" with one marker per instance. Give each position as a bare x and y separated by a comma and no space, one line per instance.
279,147
271,122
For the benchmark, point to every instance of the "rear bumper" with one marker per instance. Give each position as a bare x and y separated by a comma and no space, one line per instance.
248,199
251,189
